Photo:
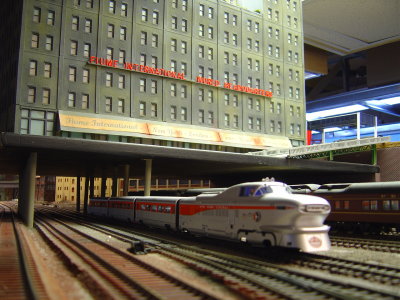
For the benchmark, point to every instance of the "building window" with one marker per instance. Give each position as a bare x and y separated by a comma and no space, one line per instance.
226,120
256,27
210,117
85,101
272,126
110,53
71,99
143,59
142,85
234,20
250,123
235,100
154,87
184,68
173,45
72,74
75,23
109,79
31,94
249,25
258,105
184,114
184,47
210,32
154,40
143,38
154,61
184,91
122,33
210,12
201,9
74,48
226,58
201,51
89,3
110,30
236,121
85,76
173,112
142,109
122,56
210,96
111,6
121,81
36,14
144,14
88,25
210,73
124,9
234,39
235,79
226,99
174,3
257,46
46,96
121,106
184,25
226,17
210,53
108,104
33,68
86,50
278,108
249,63
226,76
173,90
173,65
155,17
201,71
35,40
154,110
226,37
49,43
250,103
50,17
201,95
47,70
174,23
201,30
201,116
184,5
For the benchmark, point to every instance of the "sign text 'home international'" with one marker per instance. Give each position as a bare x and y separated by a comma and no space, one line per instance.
113,63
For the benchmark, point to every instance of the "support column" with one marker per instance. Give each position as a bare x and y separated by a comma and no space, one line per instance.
27,185
78,193
103,186
115,183
147,177
86,195
126,179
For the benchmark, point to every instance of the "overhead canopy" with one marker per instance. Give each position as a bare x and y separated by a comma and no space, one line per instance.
80,157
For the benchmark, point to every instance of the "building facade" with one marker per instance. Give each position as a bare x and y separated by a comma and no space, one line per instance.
205,74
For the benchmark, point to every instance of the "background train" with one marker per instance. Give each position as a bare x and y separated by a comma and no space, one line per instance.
368,207
260,213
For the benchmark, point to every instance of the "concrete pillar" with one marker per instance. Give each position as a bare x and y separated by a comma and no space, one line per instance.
78,193
91,193
114,192
147,177
27,185
86,195
126,179
103,186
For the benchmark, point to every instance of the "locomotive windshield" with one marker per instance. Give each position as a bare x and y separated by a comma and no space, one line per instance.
259,190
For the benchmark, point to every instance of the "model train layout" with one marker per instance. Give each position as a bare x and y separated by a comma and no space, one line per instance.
259,213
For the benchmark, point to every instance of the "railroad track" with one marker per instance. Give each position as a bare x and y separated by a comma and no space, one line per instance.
367,244
255,278
19,275
109,272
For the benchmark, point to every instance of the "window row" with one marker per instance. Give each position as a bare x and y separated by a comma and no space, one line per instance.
209,12
174,24
35,41
37,16
87,25
183,4
47,68
33,97
112,6
183,46
145,14
88,3
144,39
111,32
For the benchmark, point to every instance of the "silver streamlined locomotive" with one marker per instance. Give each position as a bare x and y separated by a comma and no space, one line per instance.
261,213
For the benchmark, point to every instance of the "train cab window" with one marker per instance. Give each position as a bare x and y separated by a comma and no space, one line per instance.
254,191
395,204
